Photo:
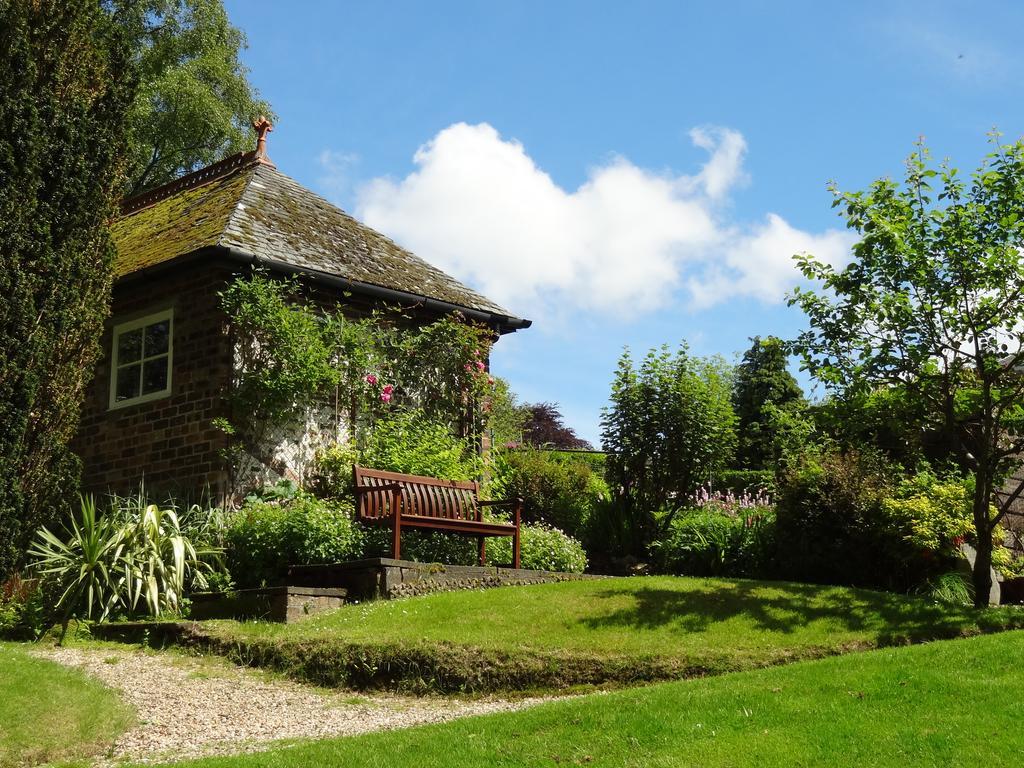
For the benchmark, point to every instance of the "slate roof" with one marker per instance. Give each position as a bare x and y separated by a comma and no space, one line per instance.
247,205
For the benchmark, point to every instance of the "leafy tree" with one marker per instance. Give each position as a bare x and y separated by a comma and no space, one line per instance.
670,428
66,83
195,103
762,379
932,302
545,428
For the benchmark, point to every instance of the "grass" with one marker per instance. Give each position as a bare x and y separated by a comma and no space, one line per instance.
591,632
49,713
943,703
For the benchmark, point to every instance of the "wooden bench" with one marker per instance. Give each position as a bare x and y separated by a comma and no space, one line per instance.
413,501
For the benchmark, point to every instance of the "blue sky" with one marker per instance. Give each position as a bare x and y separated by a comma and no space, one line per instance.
623,173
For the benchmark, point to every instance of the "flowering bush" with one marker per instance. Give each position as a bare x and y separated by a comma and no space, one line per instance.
542,548
729,503
719,538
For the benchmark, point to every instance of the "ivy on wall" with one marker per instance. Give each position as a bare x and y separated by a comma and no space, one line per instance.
292,355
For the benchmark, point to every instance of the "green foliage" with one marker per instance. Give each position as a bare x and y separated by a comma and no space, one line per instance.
294,357
850,518
409,442
195,104
422,546
541,547
66,82
749,481
669,429
931,303
761,380
22,609
505,415
933,514
284,360
133,559
332,472
709,542
555,488
951,588
264,537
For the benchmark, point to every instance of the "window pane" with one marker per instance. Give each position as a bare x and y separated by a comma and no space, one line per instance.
129,347
154,376
157,336
127,383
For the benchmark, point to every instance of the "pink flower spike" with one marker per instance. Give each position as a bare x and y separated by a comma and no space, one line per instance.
371,379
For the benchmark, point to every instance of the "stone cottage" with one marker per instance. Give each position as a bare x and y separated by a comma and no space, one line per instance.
167,355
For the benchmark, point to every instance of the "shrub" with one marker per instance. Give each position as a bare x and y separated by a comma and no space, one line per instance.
264,537
749,481
332,472
831,524
421,546
132,559
22,613
555,489
721,535
542,548
408,442
851,518
932,514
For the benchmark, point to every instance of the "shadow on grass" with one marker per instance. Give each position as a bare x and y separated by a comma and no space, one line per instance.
785,608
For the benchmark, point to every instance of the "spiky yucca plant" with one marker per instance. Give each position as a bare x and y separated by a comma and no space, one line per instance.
134,558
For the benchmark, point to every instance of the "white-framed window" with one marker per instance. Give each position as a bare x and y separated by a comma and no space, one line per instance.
140,368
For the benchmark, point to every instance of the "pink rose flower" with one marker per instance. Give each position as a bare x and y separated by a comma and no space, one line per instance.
371,379
385,397
388,389
480,365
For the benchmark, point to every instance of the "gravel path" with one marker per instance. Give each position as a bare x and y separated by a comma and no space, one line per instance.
200,706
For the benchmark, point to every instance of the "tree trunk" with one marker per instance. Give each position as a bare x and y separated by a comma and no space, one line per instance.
982,575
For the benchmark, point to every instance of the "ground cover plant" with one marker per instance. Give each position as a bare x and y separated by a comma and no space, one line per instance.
896,707
49,713
597,631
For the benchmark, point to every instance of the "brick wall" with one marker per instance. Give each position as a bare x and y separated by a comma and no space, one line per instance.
168,443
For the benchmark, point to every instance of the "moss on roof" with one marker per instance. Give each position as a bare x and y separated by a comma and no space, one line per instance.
259,210
177,225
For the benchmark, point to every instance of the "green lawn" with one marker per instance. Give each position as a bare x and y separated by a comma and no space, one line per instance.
50,713
614,630
939,704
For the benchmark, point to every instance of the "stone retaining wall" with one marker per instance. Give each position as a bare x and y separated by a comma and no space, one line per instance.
385,578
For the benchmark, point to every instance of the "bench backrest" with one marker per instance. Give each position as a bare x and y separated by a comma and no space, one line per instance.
423,496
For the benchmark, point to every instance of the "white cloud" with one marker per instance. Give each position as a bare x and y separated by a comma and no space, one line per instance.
626,241
337,177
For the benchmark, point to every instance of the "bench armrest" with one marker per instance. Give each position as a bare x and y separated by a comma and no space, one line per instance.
386,487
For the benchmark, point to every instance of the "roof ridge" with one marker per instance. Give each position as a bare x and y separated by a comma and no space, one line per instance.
219,170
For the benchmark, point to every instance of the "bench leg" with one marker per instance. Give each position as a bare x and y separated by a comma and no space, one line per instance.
483,551
396,527
517,514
